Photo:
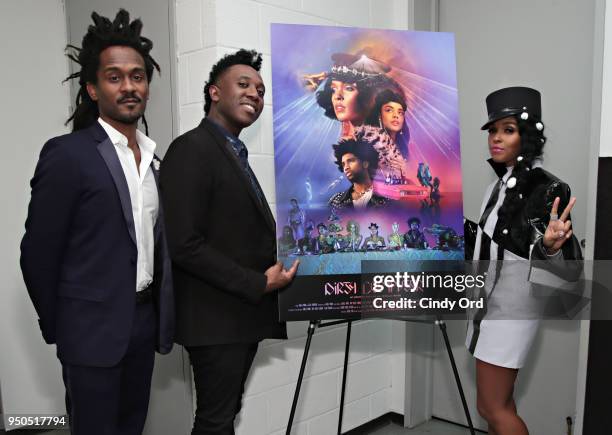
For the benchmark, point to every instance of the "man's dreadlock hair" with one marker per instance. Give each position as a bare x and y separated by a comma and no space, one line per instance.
241,57
101,35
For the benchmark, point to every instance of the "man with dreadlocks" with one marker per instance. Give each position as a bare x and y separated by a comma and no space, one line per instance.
221,235
94,256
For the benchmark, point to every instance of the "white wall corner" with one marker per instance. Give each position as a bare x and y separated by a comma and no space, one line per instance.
402,12
188,26
209,23
418,382
398,366
420,14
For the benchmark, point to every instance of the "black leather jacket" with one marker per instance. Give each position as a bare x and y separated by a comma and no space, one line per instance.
344,200
528,224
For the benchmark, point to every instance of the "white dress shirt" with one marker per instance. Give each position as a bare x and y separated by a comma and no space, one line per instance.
143,196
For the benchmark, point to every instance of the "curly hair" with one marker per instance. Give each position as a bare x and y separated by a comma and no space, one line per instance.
381,98
101,35
242,57
361,149
532,145
367,88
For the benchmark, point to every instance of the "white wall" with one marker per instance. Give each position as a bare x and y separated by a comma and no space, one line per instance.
34,107
207,29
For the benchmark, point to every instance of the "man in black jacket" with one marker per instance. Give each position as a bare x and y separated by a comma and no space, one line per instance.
94,255
221,236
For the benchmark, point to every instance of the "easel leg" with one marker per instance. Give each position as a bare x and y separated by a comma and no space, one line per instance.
346,356
442,326
296,395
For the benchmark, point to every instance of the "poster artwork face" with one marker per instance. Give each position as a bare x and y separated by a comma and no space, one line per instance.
367,157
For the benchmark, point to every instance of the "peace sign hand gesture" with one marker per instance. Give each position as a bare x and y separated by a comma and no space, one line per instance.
559,228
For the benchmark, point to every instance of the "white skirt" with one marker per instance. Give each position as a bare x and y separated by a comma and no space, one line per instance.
503,333
504,343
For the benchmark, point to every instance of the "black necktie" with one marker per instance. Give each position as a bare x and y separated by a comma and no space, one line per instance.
243,157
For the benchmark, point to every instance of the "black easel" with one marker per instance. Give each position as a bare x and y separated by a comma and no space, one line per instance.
317,323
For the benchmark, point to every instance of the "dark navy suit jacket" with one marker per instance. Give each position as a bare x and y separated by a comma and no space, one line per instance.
78,255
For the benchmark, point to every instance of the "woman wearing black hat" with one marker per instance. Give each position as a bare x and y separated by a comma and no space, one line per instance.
519,221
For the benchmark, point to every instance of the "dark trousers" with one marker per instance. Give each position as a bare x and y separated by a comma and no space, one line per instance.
114,400
220,372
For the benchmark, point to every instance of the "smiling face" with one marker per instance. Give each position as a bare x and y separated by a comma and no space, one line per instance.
392,116
344,100
122,88
504,141
237,98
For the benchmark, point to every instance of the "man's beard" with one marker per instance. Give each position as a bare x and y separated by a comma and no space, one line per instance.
359,177
128,118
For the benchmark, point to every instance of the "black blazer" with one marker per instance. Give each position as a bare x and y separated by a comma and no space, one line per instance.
78,254
221,240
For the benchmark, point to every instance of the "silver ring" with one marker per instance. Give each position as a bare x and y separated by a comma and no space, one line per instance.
561,234
554,217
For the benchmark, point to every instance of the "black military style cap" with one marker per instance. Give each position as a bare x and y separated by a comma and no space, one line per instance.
512,101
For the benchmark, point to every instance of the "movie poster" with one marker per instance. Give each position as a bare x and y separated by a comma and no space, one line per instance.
367,158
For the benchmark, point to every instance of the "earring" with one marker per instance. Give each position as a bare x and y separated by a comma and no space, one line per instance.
380,124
